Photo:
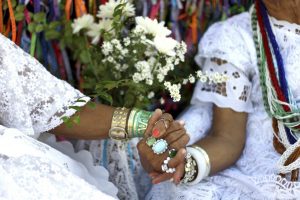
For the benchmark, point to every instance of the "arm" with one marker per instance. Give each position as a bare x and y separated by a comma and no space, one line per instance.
226,139
94,123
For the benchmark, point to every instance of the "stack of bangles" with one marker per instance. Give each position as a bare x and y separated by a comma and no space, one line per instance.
197,165
128,123
132,123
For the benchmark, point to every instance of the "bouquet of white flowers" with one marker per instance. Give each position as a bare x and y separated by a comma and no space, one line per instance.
131,59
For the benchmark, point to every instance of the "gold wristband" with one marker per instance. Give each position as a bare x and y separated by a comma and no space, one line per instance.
119,124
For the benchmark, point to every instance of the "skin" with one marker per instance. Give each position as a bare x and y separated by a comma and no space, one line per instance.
96,122
287,10
226,139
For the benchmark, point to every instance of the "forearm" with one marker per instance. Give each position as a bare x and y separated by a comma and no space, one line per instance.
94,123
226,139
222,151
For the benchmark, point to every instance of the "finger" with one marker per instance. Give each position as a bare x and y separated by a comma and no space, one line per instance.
178,159
154,174
161,126
179,173
174,136
154,118
181,142
162,178
174,126
181,122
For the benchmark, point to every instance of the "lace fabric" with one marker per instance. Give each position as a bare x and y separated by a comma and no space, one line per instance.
32,101
255,174
122,161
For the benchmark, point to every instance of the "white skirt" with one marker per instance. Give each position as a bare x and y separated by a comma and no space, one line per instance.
31,169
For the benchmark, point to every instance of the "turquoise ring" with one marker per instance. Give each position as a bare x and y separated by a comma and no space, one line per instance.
160,146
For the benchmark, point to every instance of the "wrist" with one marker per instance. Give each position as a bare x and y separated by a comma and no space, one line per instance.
197,167
128,123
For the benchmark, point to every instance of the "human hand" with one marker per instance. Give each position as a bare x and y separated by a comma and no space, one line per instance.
175,135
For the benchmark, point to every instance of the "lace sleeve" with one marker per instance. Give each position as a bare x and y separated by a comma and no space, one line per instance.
230,40
31,99
233,93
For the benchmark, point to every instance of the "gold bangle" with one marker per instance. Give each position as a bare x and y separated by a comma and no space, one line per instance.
118,124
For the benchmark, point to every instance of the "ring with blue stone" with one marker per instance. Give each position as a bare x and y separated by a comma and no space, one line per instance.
160,146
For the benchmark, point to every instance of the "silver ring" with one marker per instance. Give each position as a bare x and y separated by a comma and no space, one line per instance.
165,167
164,121
160,146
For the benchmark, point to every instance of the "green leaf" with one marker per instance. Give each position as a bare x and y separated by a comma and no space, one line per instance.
39,28
39,17
20,8
65,119
81,101
19,16
91,104
31,27
107,85
76,119
105,96
75,107
84,56
54,24
13,3
51,35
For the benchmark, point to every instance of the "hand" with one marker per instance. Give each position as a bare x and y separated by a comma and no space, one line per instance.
175,135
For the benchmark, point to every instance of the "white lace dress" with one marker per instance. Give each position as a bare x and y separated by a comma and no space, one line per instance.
32,164
228,47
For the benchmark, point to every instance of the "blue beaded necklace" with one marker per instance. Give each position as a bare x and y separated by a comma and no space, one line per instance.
276,51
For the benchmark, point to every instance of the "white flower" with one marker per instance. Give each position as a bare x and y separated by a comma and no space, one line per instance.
107,10
106,24
192,79
95,33
152,26
151,95
185,81
174,90
144,72
162,101
117,44
107,48
203,79
110,59
160,77
126,41
199,73
149,81
136,77
165,45
85,21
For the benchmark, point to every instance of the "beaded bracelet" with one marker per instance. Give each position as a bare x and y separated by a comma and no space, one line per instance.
190,169
203,164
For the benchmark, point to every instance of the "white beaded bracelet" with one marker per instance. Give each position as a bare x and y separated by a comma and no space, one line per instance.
203,164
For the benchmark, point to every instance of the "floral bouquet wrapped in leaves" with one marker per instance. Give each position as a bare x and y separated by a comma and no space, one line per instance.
128,59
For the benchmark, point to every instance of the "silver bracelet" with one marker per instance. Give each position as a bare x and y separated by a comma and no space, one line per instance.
190,169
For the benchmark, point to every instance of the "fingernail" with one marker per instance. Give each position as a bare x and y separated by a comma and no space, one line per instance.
155,133
181,122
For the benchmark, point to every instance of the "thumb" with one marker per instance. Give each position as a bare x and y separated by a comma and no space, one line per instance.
154,118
